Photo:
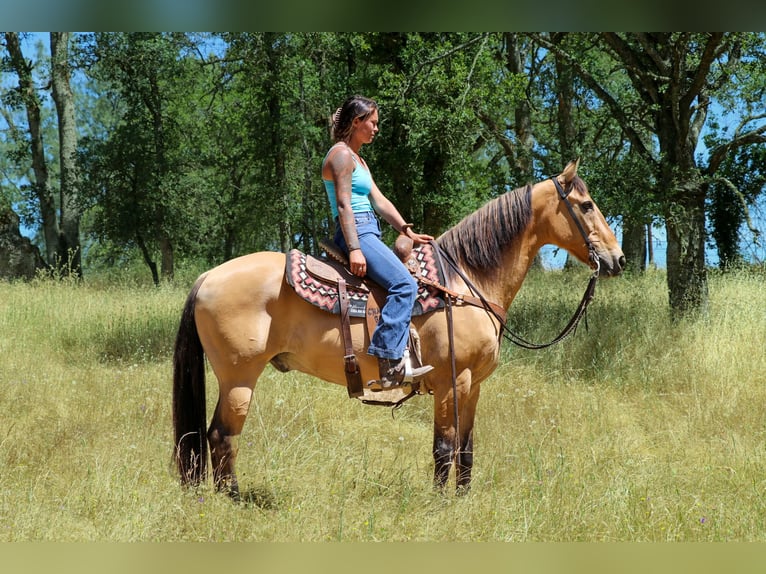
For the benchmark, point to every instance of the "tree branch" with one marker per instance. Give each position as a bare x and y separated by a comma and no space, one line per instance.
615,107
411,80
709,55
719,153
745,208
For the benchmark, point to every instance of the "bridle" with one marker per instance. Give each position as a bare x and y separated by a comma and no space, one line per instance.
580,312
564,195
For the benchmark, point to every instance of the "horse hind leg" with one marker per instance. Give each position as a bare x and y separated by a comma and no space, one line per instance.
225,428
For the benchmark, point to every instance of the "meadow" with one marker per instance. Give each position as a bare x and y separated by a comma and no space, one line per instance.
638,428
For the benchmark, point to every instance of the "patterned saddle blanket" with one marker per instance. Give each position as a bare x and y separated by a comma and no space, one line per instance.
316,281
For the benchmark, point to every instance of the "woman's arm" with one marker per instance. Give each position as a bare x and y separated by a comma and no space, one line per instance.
388,211
338,167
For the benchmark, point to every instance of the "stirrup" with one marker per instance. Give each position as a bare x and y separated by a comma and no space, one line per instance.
410,375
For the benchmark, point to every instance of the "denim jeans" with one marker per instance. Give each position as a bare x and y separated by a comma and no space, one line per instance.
384,267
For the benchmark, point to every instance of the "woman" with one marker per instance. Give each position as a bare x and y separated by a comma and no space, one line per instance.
355,200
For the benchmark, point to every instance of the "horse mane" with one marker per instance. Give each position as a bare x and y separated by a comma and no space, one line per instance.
477,242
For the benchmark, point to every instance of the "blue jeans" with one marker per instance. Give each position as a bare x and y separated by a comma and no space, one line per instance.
384,267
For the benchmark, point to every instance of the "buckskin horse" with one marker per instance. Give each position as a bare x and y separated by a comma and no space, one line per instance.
243,315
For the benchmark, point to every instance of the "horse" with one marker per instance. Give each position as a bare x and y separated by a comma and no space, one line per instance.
242,315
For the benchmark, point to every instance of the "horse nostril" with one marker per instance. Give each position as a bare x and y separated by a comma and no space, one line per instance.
621,262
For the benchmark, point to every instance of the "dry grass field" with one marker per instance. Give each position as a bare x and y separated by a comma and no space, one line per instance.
636,429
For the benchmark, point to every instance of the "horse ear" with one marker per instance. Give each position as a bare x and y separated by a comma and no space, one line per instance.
570,171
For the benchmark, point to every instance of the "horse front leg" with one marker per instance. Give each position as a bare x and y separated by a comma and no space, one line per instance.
448,434
466,422
444,454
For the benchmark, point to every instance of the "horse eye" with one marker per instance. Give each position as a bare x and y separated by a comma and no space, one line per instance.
586,206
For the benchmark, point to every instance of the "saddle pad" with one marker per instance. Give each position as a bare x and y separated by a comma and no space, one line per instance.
324,293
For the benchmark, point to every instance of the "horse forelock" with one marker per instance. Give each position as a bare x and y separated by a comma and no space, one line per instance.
579,184
480,239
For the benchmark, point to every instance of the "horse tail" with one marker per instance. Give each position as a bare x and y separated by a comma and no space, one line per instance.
189,417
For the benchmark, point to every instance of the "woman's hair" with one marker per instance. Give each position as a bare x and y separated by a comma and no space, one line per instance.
353,107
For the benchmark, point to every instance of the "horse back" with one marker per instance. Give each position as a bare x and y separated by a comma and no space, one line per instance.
237,303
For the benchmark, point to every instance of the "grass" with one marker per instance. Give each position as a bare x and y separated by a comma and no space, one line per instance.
638,429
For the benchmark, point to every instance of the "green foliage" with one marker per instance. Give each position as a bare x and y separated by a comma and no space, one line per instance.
207,146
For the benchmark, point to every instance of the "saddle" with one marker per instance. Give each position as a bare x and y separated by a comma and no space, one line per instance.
327,283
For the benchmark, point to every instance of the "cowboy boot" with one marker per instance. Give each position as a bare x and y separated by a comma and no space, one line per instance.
397,373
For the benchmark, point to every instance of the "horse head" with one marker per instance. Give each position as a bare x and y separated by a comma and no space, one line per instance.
577,224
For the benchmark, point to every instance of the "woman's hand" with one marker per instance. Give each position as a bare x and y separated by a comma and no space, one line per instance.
418,238
357,263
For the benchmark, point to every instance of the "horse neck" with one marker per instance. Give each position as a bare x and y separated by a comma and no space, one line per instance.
498,244
519,257
517,261
501,284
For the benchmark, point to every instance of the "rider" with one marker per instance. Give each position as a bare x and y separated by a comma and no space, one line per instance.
354,201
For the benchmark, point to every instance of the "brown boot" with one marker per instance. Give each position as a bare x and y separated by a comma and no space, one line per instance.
394,373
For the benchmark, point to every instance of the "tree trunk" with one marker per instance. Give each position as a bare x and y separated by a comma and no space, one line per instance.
148,258
69,241
41,184
687,275
684,209
566,96
514,62
279,173
167,261
634,244
19,258
522,116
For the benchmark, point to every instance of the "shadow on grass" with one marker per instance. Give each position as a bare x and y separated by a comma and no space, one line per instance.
124,340
262,498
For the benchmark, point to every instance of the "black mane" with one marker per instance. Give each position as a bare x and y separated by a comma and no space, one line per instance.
478,241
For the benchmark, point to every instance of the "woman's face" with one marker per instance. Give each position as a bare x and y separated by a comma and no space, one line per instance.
366,129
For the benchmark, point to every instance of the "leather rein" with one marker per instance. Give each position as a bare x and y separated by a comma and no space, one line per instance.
477,299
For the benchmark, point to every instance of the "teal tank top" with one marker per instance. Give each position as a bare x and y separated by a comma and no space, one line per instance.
361,186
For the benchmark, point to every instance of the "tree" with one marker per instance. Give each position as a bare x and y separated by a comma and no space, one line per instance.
25,95
69,239
59,219
677,75
737,152
740,181
674,76
428,87
134,175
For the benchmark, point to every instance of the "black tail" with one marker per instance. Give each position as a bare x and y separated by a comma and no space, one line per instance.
189,417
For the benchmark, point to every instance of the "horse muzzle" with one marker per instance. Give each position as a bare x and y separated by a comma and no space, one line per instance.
610,264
